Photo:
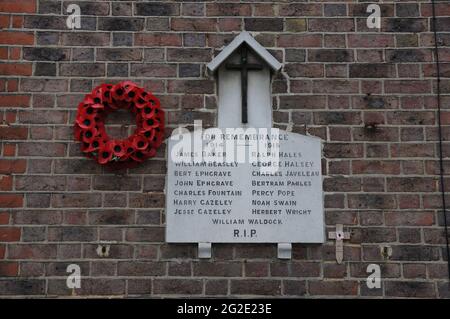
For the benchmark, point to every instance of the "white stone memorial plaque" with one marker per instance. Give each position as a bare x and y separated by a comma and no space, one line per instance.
234,202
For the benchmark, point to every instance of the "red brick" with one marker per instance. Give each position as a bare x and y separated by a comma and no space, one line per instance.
17,22
256,269
4,53
4,218
299,40
412,150
372,201
263,9
12,166
11,200
376,167
15,69
442,9
9,234
13,133
14,100
370,40
407,86
13,85
2,251
14,53
28,6
412,184
300,9
230,24
17,38
156,39
228,9
6,182
31,251
194,24
9,269
4,22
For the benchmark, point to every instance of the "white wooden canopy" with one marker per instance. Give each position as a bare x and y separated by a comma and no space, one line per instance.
236,43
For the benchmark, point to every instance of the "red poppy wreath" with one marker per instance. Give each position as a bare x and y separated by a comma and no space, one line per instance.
90,125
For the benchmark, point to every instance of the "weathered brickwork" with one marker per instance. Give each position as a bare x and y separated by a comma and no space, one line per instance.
369,94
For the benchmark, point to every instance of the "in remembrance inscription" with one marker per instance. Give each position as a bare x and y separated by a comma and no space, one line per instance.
246,201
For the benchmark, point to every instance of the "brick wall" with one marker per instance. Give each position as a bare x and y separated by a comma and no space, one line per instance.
369,94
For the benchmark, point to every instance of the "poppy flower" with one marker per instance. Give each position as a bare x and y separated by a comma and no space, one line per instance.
129,149
148,111
149,123
139,99
91,147
118,92
86,111
130,93
154,101
89,135
128,85
138,156
139,143
106,93
96,97
159,115
85,122
149,134
105,153
118,149
88,99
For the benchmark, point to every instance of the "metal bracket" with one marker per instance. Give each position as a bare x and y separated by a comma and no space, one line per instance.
204,250
284,251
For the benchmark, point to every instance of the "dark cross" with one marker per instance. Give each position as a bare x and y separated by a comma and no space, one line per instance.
244,67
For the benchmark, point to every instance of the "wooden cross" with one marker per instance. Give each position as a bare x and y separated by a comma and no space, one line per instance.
339,235
244,67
